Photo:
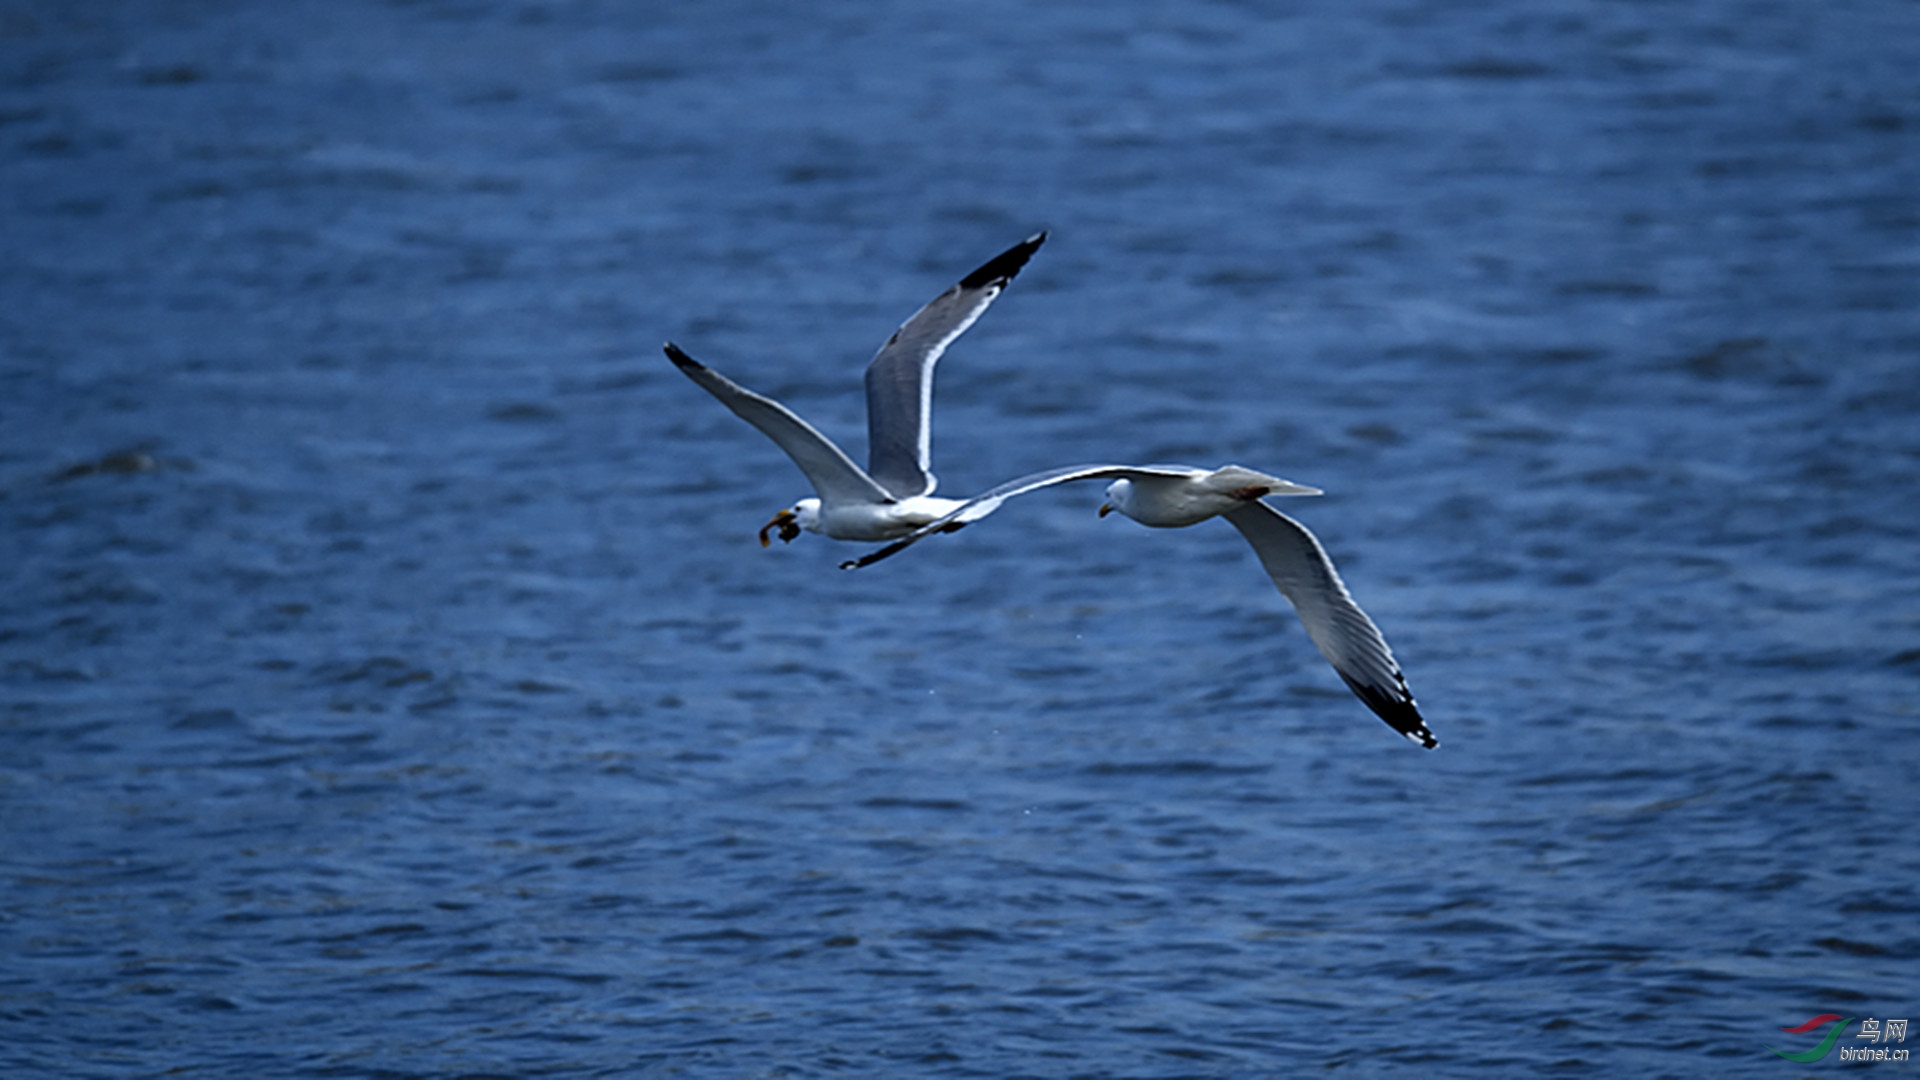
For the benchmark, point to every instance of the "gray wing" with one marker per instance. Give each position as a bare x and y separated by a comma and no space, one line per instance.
987,502
900,378
1346,637
833,475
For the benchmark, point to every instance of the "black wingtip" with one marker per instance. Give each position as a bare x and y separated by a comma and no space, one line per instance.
1002,267
680,359
1400,713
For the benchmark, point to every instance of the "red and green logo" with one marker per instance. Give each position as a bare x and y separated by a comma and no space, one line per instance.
1826,1044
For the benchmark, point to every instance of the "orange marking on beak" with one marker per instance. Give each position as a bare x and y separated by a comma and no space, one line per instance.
784,522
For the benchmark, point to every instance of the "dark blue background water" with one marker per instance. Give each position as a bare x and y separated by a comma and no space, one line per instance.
392,685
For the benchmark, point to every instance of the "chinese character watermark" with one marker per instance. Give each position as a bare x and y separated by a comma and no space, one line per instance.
1896,1031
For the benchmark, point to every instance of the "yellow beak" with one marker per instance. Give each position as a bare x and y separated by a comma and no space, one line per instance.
1105,509
784,522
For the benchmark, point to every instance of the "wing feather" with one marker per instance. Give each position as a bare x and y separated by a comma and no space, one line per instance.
1349,640
900,378
831,472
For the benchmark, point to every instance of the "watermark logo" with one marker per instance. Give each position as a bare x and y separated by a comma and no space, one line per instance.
1871,1029
1826,1044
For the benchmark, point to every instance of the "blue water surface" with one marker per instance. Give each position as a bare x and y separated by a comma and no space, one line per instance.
391,684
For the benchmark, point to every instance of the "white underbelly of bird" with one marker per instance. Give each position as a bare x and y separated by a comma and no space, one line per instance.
873,522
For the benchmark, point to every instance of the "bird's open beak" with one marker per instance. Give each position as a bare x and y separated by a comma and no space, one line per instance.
784,522
1105,509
